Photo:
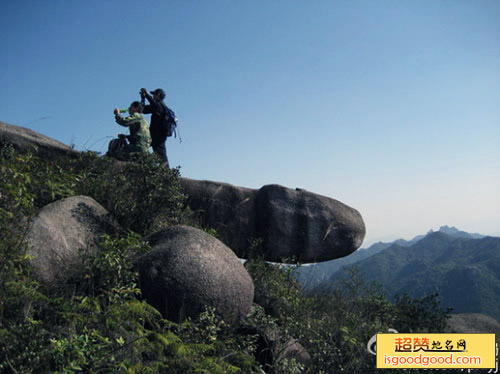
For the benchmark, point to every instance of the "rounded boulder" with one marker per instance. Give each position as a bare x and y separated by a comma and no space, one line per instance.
188,270
60,231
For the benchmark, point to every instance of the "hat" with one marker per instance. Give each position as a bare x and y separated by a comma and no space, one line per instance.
158,90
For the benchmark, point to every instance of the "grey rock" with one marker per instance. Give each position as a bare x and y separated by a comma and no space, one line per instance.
292,349
273,346
189,269
59,233
306,226
290,223
228,209
285,347
24,140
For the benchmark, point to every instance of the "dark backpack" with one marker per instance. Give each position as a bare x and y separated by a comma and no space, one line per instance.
115,145
170,122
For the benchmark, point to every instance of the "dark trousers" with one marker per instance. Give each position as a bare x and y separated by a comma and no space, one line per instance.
160,148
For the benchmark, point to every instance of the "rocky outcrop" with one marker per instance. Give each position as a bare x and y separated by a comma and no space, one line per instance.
226,208
274,346
59,232
189,269
186,270
290,223
309,227
291,349
25,140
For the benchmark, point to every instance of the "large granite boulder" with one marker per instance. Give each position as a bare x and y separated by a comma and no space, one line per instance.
309,227
24,140
59,233
189,269
228,209
290,223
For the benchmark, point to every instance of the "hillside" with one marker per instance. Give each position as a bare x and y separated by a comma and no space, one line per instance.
313,275
465,271
105,304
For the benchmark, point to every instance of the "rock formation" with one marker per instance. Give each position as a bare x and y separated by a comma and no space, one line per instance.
307,226
25,140
273,345
228,209
291,223
60,231
189,269
289,349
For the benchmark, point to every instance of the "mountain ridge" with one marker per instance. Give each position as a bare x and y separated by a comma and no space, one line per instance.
311,276
465,271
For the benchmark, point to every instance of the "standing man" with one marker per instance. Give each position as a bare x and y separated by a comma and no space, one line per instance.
158,127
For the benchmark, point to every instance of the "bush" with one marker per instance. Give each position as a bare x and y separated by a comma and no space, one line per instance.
335,324
420,314
144,196
275,288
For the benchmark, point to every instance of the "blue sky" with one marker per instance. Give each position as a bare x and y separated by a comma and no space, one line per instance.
390,106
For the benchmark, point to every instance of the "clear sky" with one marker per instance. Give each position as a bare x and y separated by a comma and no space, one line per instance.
390,106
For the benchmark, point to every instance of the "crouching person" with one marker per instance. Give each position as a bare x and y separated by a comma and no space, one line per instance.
139,139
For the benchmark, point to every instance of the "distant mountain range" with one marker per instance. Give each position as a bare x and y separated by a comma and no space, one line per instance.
311,276
463,267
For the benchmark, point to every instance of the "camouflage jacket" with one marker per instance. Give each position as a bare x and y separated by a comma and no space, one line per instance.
139,130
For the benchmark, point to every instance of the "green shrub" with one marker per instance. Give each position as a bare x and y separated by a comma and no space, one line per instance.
335,325
276,289
143,196
420,314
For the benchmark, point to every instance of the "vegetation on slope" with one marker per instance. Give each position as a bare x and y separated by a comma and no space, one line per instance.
97,322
